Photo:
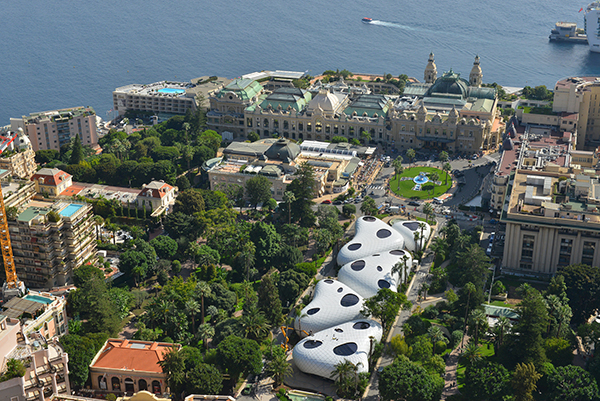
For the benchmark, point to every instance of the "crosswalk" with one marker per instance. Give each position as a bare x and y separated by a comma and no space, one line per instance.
375,187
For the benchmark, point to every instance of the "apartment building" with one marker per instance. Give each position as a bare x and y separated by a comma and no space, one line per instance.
16,154
49,240
29,331
53,129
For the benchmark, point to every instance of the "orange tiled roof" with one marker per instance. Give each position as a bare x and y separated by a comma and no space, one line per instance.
140,356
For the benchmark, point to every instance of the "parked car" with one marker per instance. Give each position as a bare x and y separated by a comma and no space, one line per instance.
326,202
414,203
488,251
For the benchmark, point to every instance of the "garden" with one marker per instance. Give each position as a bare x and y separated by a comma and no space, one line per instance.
421,183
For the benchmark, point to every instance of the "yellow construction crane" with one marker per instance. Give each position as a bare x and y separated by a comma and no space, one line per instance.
12,287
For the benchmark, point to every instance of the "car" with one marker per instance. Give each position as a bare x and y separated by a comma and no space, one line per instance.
488,251
414,203
326,202
338,202
493,221
492,235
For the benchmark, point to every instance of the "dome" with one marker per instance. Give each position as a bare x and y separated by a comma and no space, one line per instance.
449,84
326,100
283,150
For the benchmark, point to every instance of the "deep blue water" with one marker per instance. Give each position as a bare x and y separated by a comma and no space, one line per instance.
57,54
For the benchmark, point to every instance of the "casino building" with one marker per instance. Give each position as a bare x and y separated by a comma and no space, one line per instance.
447,113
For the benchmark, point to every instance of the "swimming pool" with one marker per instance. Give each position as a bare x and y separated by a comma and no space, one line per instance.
69,210
38,299
171,90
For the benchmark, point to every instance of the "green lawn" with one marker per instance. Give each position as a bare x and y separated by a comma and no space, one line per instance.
503,304
404,188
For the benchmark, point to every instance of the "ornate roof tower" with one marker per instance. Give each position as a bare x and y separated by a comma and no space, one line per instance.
430,70
476,75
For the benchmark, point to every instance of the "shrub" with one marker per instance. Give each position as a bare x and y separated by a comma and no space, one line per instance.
306,267
440,347
456,337
430,312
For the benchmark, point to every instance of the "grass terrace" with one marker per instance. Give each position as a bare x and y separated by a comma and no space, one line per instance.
404,187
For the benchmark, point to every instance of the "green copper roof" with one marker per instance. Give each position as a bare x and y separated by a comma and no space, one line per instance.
287,97
369,104
245,89
32,212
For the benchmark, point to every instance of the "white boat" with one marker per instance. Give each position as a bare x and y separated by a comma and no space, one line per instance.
592,26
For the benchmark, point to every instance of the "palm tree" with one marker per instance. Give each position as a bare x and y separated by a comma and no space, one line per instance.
248,251
472,353
98,220
470,289
502,326
479,319
164,308
279,368
433,178
443,157
397,164
563,317
346,375
365,136
410,153
202,290
206,331
436,336
401,269
192,308
552,304
255,324
423,242
289,197
447,168
424,289
428,210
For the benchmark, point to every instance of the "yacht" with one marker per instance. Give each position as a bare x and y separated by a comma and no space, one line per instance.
592,26
367,20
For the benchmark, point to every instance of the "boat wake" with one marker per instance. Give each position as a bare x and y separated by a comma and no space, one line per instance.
391,25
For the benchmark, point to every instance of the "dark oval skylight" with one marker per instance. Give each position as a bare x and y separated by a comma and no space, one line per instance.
361,326
354,247
329,281
340,289
358,265
369,218
397,252
383,233
412,225
345,349
312,311
383,284
379,268
338,330
349,300
310,344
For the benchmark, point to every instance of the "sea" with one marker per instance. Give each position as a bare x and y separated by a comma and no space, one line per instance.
57,54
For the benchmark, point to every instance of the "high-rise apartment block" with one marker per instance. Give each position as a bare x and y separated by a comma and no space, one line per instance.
53,129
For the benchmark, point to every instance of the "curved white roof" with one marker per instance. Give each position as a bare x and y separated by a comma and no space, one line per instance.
319,353
327,101
333,303
408,228
372,236
368,275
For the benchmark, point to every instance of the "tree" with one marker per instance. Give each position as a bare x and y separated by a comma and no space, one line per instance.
238,355
255,324
291,283
348,210
571,383
346,378
524,381
397,164
191,309
486,381
206,331
365,137
173,365
204,379
268,300
81,351
469,289
288,198
443,157
473,266
385,306
479,320
472,353
258,190
422,348
202,291
368,207
189,202
303,187
165,247
410,153
428,210
400,347
559,351
253,136
582,283
278,367
76,151
447,168
405,380
436,336
14,368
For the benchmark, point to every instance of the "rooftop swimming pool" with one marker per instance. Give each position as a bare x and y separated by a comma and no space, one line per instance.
69,210
38,299
171,90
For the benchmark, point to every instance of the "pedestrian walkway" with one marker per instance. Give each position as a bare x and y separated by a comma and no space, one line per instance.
451,376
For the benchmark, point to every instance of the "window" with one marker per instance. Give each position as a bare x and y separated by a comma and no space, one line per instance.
300,126
589,249
564,256
116,384
527,250
309,127
266,122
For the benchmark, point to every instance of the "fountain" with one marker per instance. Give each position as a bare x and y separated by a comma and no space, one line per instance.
421,178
